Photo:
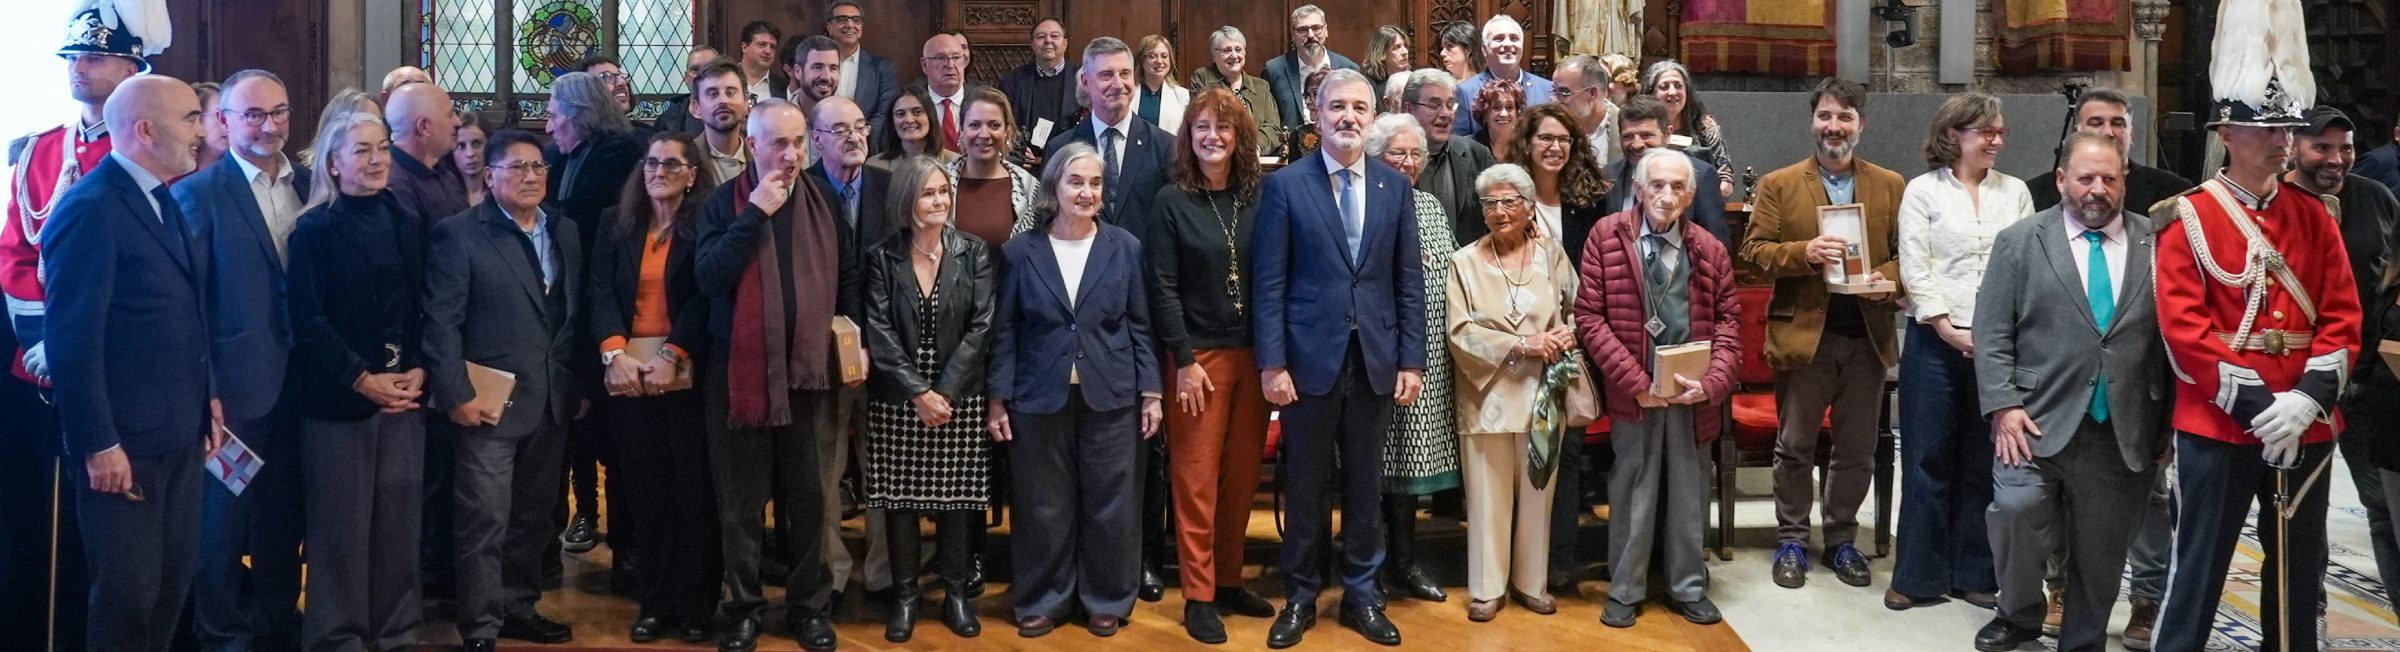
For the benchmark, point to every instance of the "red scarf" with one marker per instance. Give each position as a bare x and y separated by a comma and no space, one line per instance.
772,356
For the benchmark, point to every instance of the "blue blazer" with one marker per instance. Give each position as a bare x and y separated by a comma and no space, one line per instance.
878,86
1148,152
129,336
1310,297
1290,86
1037,337
251,337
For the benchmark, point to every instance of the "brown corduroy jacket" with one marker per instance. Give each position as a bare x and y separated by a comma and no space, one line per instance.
1783,218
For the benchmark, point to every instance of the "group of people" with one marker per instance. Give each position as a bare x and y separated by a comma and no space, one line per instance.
1436,284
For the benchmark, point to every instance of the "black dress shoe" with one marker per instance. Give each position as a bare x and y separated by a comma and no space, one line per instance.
1412,583
1290,624
1791,565
1697,612
647,628
1201,622
1241,602
815,632
974,583
738,636
1153,588
902,623
583,533
533,628
2001,635
1618,614
959,615
482,645
694,631
1849,565
1370,622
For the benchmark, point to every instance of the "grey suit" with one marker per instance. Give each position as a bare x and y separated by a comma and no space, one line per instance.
2089,479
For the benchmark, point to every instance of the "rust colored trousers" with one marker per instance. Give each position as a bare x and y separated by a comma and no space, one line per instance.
1213,461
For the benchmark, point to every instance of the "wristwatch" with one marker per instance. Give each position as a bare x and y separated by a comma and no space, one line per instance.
609,357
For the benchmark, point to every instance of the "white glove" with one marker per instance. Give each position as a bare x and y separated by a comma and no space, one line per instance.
37,362
2282,453
2286,418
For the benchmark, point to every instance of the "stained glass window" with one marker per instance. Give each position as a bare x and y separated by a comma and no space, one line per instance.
546,38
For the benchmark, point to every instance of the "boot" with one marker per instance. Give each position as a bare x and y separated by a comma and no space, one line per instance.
1401,575
902,624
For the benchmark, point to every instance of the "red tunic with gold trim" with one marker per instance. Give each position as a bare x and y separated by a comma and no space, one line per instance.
2226,375
42,162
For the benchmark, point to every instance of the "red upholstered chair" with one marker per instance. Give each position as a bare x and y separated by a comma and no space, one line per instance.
1751,424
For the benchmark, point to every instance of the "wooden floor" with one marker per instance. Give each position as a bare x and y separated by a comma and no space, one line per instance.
600,619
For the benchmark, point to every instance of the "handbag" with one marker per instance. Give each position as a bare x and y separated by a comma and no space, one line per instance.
1582,401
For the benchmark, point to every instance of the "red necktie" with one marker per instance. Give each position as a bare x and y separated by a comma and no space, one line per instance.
949,127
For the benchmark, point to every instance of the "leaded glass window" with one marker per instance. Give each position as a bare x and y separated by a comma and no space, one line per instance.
462,45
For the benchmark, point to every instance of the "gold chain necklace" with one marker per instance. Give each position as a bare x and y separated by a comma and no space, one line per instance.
1233,252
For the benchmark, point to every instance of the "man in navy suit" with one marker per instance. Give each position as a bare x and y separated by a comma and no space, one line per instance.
1134,155
867,79
129,358
244,207
1287,74
1340,323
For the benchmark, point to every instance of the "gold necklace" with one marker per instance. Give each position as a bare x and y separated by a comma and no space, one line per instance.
1233,253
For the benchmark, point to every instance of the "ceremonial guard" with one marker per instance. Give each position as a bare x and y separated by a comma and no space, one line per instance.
2261,320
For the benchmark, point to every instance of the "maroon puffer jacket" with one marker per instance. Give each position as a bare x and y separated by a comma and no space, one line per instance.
1610,312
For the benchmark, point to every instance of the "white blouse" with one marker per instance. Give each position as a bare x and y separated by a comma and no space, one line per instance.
1946,240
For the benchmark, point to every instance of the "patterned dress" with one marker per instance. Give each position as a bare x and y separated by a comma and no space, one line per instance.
911,466
1420,454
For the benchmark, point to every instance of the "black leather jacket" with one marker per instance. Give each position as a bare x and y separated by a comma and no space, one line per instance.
962,330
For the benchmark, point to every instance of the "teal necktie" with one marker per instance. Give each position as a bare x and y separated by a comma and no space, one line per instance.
2097,287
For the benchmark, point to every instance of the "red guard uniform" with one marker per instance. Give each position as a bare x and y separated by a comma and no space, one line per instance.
45,165
2224,377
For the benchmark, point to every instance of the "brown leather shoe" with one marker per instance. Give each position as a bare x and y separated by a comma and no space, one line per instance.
1979,600
1105,625
1544,605
1035,626
2057,613
1894,600
2145,619
1482,611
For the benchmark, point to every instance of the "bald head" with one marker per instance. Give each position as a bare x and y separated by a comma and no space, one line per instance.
778,137
422,121
155,120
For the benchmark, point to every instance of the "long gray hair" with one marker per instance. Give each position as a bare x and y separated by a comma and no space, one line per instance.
328,146
584,100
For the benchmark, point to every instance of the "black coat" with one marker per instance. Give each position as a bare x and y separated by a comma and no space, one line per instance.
590,179
616,278
961,330
357,274
484,303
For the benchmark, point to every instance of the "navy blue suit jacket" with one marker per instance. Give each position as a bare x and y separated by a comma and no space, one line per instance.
878,86
1289,85
1037,337
251,337
129,335
1310,297
1148,152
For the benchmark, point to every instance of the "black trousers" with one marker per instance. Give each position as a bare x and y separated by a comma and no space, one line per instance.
1333,448
754,465
1075,537
142,553
669,503
506,490
954,545
2215,485
362,482
437,555
236,607
34,528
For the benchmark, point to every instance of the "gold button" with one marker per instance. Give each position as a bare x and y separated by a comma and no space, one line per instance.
2278,315
2270,282
79,149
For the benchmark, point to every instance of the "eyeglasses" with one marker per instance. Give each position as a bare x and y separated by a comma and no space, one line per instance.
1564,92
255,117
1509,202
844,131
669,166
1991,134
1438,106
1232,49
1552,139
952,59
524,167
1310,29
847,20
613,77
1404,155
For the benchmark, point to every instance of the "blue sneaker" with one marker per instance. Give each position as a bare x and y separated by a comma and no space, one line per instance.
1849,565
1791,565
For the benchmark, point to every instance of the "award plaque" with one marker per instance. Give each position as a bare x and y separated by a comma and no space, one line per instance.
1849,221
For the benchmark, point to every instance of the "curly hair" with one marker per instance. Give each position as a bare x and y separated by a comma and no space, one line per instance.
1492,92
1579,183
1244,176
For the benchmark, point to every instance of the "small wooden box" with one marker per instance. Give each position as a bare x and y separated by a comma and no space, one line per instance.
1849,221
1689,359
847,345
2391,354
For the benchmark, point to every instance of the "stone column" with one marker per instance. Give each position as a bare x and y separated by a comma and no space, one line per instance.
2150,27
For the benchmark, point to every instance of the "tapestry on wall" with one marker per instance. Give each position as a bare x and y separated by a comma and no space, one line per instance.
1776,37
2049,36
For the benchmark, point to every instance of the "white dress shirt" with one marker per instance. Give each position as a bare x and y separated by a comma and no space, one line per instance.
1124,127
1946,239
278,200
848,85
2112,246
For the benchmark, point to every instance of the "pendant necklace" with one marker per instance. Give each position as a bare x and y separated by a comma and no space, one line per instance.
1233,252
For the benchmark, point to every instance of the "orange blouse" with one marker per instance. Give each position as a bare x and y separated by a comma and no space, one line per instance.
650,318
